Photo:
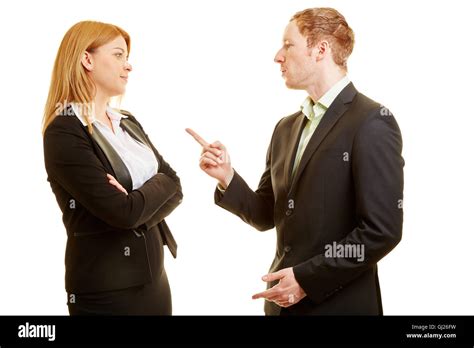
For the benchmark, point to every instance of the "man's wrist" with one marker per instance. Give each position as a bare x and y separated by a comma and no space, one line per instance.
222,185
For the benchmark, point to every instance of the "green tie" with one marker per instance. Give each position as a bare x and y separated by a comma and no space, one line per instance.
316,113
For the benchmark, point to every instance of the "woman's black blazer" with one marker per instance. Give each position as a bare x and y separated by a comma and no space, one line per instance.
107,247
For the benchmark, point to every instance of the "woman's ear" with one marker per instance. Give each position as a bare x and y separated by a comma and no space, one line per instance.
87,61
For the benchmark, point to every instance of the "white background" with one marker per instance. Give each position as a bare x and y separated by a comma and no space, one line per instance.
209,65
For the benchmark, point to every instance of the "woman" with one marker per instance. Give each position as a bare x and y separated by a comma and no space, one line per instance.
112,186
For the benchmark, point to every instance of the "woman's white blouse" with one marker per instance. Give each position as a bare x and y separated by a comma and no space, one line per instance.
139,158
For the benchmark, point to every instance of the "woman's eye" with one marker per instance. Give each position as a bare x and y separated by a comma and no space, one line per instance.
118,54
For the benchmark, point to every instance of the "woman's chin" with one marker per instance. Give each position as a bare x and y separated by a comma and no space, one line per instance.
117,92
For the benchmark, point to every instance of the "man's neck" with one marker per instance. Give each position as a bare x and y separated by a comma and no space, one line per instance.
324,84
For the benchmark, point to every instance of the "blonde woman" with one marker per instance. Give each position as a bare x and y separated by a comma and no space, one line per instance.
113,187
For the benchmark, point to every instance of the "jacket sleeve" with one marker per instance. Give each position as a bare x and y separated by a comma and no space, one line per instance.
171,204
165,169
377,171
70,161
254,208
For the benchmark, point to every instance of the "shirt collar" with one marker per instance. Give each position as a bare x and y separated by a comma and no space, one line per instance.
310,109
114,114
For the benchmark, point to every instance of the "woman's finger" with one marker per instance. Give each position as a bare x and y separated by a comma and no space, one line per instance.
115,183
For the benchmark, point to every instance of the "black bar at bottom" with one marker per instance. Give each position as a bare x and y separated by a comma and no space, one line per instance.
133,331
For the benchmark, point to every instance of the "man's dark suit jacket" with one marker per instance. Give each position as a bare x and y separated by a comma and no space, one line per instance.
107,247
347,189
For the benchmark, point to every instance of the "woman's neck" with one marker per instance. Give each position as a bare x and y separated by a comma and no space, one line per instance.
100,110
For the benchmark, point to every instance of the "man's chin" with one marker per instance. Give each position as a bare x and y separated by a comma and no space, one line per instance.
290,85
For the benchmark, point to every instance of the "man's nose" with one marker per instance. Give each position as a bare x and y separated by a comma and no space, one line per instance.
279,57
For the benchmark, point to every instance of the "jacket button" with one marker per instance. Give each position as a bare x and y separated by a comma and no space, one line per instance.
289,212
287,249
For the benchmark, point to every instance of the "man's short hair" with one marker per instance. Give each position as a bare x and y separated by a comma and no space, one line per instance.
325,23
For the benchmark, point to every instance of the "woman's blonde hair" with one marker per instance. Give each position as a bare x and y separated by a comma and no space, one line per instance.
69,81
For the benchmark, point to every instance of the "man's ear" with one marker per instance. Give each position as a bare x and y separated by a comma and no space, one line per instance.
87,61
321,49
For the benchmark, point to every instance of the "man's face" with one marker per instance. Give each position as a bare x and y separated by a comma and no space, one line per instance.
297,61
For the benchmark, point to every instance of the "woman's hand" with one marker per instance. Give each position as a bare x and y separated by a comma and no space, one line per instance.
115,183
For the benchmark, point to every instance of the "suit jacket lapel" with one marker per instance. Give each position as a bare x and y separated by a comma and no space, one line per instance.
330,118
293,142
135,132
120,169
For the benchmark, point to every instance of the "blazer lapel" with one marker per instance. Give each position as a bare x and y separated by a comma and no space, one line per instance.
135,132
332,115
120,169
293,142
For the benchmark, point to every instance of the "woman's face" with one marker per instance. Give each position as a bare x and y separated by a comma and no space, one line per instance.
108,65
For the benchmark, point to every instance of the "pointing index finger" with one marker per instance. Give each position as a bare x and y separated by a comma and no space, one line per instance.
197,137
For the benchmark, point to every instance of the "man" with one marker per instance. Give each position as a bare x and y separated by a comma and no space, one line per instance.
333,182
